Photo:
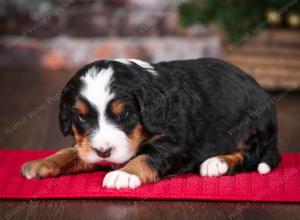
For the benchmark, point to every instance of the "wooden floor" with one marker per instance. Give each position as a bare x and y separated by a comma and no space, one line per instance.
28,119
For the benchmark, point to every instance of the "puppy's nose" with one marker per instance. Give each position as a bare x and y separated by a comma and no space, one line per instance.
103,153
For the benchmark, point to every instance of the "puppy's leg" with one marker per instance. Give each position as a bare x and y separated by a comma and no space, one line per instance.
136,172
154,162
220,165
65,161
270,159
249,155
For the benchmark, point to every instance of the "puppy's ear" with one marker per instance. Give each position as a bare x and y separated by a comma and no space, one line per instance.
65,119
153,110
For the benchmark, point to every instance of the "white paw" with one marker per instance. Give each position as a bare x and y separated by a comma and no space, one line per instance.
263,168
28,176
213,167
119,179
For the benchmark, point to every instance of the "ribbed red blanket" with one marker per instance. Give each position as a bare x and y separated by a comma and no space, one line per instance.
282,184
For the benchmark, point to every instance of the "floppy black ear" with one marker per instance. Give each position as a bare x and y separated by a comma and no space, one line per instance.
153,110
65,119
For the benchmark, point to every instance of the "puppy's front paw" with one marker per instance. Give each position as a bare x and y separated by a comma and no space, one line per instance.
120,179
213,167
38,169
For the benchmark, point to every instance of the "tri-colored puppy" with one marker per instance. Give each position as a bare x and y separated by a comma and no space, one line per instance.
153,120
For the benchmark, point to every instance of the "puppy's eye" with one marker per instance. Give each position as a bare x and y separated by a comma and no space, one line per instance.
81,117
123,115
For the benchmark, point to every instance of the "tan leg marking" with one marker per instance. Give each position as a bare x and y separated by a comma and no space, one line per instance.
233,160
65,161
132,175
140,167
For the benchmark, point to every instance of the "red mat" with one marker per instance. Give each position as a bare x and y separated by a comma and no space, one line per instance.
281,185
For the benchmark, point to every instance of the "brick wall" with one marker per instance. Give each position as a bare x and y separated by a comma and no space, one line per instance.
71,33
91,18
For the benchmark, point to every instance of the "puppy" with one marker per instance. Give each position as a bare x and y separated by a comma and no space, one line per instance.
156,120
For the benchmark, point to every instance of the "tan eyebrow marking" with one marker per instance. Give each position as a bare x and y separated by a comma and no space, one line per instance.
82,107
117,106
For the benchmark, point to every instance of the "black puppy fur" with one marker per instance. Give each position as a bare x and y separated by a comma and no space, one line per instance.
192,110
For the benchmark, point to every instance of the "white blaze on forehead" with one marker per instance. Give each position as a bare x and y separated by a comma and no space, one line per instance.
141,63
96,87
96,90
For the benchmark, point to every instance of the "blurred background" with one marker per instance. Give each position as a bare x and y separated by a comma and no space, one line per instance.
43,43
